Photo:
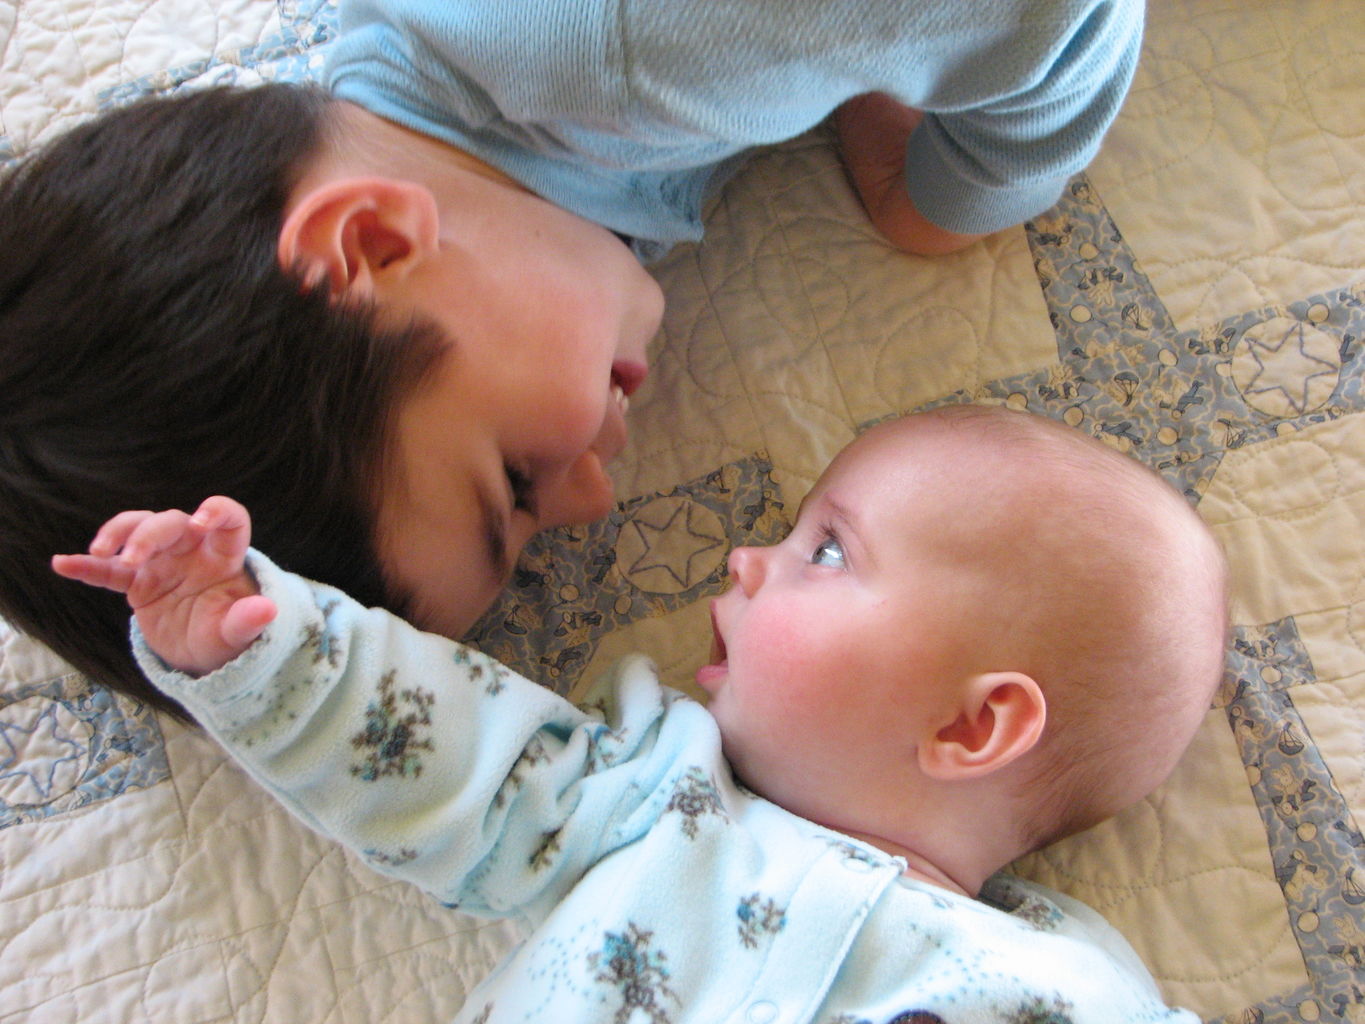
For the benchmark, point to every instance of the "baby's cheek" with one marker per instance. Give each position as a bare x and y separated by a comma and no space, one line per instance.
799,677
807,643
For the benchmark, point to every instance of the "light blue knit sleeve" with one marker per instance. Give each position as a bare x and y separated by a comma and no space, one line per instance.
980,166
431,761
1018,94
628,114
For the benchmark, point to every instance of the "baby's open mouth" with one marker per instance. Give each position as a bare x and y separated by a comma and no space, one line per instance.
718,656
718,666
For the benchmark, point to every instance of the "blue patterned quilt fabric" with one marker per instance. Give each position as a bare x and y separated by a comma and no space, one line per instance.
66,744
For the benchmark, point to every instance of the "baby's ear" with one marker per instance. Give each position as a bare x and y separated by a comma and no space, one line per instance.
1000,717
355,233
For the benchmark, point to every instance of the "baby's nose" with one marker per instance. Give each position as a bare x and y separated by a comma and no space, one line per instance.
745,566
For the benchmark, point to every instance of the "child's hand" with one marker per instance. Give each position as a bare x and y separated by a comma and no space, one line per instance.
184,578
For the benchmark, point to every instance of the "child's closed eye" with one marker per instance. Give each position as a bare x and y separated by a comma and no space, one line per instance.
523,489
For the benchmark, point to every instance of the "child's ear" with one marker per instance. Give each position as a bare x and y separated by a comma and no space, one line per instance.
356,232
1000,717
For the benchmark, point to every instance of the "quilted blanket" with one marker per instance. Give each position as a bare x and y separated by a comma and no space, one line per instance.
1196,299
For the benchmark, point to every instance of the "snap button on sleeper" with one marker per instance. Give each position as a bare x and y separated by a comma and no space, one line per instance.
762,1011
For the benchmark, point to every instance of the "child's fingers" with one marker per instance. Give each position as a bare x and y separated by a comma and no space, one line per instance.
220,513
139,535
110,537
170,532
227,524
95,571
246,620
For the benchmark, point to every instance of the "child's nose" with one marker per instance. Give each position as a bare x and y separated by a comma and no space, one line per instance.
577,493
745,566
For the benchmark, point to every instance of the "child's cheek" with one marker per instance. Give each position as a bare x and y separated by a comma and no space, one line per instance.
568,418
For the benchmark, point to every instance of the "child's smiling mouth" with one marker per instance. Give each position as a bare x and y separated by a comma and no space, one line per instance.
627,375
612,435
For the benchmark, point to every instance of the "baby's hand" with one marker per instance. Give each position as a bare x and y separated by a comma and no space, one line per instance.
185,579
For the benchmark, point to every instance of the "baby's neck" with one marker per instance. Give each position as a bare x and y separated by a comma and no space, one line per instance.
954,838
922,868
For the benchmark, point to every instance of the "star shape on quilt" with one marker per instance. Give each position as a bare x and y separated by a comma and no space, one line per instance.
682,517
1285,370
33,753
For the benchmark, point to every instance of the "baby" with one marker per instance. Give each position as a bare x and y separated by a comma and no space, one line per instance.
932,675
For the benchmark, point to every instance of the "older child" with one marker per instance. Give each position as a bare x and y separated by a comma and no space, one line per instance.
463,186
932,675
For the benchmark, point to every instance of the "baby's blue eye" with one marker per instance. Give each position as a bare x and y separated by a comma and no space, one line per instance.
828,552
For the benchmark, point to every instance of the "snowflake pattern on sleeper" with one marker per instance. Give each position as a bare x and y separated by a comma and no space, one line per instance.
758,915
397,726
695,797
629,963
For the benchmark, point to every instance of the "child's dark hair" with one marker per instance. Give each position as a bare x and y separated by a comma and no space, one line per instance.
152,352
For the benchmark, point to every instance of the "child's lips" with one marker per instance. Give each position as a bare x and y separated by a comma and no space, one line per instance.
628,375
611,438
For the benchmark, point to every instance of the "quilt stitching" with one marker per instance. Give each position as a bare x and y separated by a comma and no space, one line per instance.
66,744
284,55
